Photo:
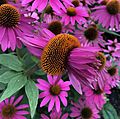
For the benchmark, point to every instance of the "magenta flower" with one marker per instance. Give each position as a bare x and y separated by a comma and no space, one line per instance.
96,94
84,110
56,58
113,74
41,4
9,109
73,14
90,36
13,24
55,115
108,15
53,91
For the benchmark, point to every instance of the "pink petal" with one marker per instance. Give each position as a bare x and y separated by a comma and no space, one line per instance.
45,101
18,100
51,104
57,103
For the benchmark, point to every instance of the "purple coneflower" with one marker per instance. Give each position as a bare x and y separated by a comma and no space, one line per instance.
62,53
97,94
55,115
54,91
10,109
13,24
84,110
90,35
108,15
73,14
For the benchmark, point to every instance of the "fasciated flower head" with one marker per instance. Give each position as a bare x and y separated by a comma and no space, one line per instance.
55,54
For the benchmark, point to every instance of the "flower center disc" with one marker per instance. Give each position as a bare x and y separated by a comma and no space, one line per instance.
113,7
102,58
55,90
91,33
112,70
49,10
71,11
3,2
8,111
75,3
55,27
9,15
86,113
54,56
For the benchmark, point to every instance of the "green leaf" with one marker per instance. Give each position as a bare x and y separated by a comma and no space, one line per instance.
107,31
2,86
40,72
11,61
7,76
32,94
13,86
109,112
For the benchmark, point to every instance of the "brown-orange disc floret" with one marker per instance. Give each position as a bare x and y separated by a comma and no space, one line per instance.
86,113
91,33
101,57
71,11
55,90
113,7
76,3
9,15
54,56
8,111
55,27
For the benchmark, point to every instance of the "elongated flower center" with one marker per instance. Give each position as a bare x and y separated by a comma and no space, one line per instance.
3,2
112,70
86,113
71,11
54,56
8,111
101,57
9,15
75,3
55,90
113,7
55,27
91,33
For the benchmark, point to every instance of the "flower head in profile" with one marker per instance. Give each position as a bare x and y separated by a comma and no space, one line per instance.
11,109
13,24
55,115
62,53
83,110
108,14
53,91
